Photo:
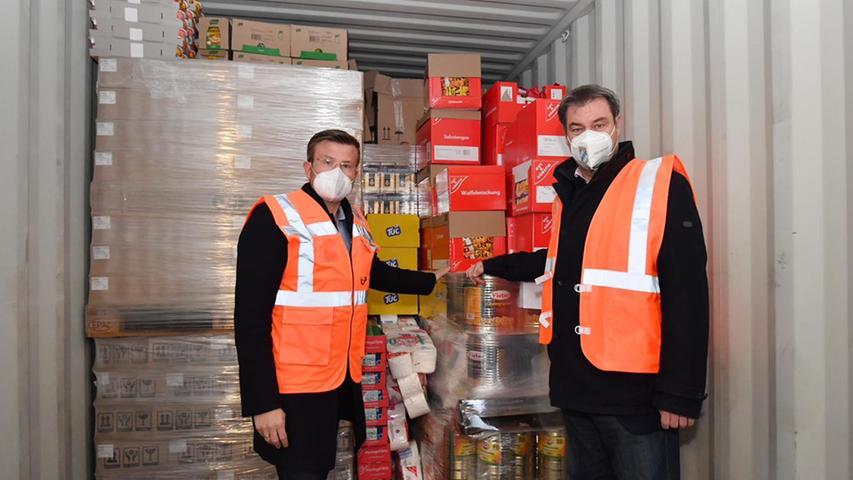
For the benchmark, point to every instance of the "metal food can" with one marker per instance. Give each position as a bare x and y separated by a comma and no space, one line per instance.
551,450
488,360
492,306
507,455
464,458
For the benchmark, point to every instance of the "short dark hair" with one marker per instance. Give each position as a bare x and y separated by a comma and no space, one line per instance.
332,135
585,94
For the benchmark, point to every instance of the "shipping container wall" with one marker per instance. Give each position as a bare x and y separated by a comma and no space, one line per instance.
757,99
44,369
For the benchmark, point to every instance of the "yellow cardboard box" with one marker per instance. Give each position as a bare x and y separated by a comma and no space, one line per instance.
382,303
395,230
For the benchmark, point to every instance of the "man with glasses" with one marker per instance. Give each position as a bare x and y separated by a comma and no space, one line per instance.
305,262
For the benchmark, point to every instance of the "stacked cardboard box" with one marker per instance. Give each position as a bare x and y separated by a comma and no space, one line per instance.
398,240
150,29
465,222
163,254
171,405
252,41
374,457
393,107
526,137
214,38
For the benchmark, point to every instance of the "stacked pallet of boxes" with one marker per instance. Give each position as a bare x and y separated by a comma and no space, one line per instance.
183,150
467,220
149,29
491,416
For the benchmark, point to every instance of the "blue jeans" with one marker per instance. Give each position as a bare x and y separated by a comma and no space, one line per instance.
602,447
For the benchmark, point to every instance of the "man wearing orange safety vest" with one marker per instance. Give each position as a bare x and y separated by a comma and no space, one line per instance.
305,262
624,301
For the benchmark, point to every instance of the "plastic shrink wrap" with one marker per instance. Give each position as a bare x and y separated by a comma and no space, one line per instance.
182,152
388,179
169,407
491,416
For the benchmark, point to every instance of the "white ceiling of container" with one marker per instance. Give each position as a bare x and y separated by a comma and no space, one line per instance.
394,36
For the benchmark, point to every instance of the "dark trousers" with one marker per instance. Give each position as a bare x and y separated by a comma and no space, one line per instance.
620,448
299,475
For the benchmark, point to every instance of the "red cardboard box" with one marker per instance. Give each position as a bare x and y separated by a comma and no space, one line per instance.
375,471
536,134
374,455
461,239
376,416
374,397
528,233
494,139
374,362
374,380
469,189
375,344
377,436
533,186
453,81
501,103
449,137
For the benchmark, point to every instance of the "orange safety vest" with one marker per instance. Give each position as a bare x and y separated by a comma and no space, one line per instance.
620,316
319,320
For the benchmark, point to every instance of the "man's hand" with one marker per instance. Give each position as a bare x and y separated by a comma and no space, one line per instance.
670,420
271,427
475,273
441,272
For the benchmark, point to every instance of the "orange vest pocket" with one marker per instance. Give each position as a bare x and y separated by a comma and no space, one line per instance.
305,336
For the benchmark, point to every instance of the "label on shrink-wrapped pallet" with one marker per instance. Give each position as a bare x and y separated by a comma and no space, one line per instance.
178,446
105,129
101,222
108,65
245,102
242,162
101,252
246,72
107,97
105,451
103,159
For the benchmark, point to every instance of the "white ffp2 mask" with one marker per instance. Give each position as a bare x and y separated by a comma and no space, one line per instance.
592,148
333,185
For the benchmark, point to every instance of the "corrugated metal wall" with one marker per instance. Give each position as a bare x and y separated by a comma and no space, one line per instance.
757,98
44,371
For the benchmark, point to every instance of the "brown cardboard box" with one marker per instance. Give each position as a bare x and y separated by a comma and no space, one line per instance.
260,37
254,57
461,239
214,33
213,54
352,64
397,119
338,64
307,39
444,70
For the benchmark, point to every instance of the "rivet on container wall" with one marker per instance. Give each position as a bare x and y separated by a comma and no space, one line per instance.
565,35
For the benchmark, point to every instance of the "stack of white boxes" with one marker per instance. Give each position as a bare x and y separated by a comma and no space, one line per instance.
144,28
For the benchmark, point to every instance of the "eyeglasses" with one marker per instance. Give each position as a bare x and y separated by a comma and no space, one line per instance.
327,164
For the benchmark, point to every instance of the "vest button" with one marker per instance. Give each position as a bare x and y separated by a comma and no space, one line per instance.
559,283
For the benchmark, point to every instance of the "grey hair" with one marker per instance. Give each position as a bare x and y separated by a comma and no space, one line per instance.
584,94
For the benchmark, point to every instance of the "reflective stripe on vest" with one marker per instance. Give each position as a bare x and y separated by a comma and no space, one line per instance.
320,299
619,305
